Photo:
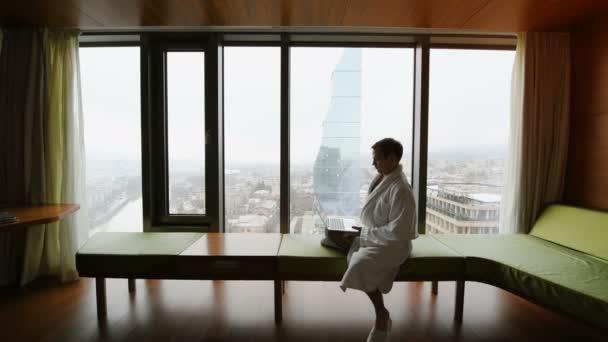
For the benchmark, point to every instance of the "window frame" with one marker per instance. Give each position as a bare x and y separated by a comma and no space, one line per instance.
160,219
153,105
496,43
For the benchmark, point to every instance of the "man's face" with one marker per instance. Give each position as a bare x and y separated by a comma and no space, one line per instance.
383,164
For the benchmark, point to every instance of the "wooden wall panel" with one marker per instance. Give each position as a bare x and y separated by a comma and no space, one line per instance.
411,13
44,13
119,13
313,12
587,176
484,15
538,15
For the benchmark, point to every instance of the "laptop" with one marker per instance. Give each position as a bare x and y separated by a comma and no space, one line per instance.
335,222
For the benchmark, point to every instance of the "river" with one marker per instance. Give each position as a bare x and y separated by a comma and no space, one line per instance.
127,219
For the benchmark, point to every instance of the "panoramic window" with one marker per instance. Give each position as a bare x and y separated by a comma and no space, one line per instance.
111,104
252,82
469,99
342,101
186,131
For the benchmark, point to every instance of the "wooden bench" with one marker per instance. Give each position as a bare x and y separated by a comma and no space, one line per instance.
194,256
217,256
562,264
301,257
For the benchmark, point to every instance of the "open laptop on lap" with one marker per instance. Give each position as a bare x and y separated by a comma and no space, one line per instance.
337,223
341,224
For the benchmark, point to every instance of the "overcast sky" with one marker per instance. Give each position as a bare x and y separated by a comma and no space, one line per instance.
469,100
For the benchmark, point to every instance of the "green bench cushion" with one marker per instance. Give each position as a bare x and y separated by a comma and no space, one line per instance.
302,257
431,260
139,243
581,229
545,272
137,255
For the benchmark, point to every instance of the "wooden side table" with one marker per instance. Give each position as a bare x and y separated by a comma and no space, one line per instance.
38,214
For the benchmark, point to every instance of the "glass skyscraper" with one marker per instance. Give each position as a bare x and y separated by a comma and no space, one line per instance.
337,170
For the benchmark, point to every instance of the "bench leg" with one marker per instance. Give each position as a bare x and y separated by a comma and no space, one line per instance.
459,301
283,285
278,302
100,289
434,287
131,285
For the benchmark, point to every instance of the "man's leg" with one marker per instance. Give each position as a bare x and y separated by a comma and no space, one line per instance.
382,314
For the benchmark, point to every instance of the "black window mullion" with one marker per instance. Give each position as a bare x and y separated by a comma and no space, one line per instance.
146,141
421,121
285,126
214,134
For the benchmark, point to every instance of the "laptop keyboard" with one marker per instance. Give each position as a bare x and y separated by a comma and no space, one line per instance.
336,223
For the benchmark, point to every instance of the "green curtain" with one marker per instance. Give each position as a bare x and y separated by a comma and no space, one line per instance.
41,144
50,250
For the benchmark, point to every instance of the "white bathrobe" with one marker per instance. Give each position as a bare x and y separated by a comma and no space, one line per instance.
388,218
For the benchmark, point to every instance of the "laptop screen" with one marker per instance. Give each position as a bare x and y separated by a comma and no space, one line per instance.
322,215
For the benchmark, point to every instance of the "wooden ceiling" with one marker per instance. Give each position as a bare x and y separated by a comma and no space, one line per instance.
486,15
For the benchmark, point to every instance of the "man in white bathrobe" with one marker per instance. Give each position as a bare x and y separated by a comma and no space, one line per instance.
388,220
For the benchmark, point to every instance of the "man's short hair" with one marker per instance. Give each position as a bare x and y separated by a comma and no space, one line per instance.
388,146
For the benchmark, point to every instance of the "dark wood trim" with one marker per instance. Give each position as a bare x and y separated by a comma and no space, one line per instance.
291,31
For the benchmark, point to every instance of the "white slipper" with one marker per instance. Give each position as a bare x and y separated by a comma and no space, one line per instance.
380,335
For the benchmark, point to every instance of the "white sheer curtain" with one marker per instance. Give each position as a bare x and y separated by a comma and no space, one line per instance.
509,207
538,144
50,249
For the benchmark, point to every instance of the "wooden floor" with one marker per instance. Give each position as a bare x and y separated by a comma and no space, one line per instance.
171,310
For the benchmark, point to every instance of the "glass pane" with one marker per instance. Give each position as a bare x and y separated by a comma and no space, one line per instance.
186,132
252,98
469,99
111,104
343,100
